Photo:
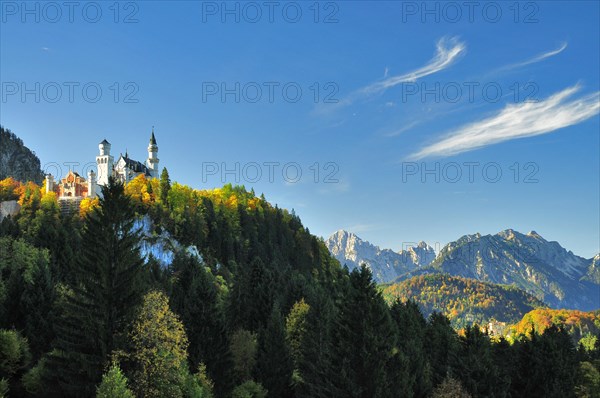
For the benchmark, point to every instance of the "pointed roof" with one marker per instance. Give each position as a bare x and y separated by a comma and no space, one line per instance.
152,138
104,142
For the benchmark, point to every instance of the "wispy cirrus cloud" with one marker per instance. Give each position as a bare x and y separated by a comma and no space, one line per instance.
517,121
537,58
448,51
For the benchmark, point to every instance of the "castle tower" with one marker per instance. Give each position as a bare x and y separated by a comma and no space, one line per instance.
91,184
49,183
105,163
152,162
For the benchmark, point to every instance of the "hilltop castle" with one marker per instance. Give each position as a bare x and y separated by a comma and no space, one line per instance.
75,187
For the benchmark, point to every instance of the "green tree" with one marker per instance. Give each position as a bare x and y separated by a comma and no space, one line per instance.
26,292
14,353
243,349
411,325
475,365
450,388
296,325
364,338
249,389
165,187
114,384
317,368
195,298
442,346
251,296
588,381
546,365
273,349
158,349
106,288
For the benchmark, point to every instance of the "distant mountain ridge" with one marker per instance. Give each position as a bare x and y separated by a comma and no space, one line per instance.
529,262
542,268
385,264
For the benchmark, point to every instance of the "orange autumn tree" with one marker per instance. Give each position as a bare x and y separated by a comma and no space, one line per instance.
10,189
577,323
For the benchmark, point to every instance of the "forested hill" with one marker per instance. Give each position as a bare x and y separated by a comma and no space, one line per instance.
581,325
162,290
16,160
464,301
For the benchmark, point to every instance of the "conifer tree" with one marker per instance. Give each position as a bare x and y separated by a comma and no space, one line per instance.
441,347
114,384
316,367
273,349
364,338
165,187
195,298
410,326
105,290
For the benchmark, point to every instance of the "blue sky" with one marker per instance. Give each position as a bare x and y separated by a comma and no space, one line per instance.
499,103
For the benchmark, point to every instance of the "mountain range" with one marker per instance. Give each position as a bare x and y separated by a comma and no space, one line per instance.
385,264
529,262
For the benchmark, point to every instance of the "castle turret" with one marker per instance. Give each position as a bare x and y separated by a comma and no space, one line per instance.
91,184
105,163
49,183
152,162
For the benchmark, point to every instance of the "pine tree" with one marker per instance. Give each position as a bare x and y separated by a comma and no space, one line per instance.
274,364
475,365
105,290
410,326
316,367
195,298
441,347
251,297
114,384
165,187
364,338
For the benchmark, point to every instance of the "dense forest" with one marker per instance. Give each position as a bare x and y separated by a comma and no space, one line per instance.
261,309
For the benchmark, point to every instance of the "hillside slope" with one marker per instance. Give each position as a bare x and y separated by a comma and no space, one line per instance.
16,160
464,301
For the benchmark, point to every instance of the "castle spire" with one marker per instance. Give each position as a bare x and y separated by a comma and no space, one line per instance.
152,138
152,162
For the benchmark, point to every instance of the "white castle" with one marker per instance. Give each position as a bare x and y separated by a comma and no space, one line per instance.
75,187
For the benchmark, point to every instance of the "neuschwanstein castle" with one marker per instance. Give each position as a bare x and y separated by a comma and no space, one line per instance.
75,187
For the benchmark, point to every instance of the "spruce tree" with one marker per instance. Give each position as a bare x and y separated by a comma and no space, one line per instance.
441,346
105,290
410,326
195,299
165,187
364,338
316,367
274,364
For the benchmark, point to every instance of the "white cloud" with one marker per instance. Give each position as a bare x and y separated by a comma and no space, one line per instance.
403,129
517,121
447,51
537,58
